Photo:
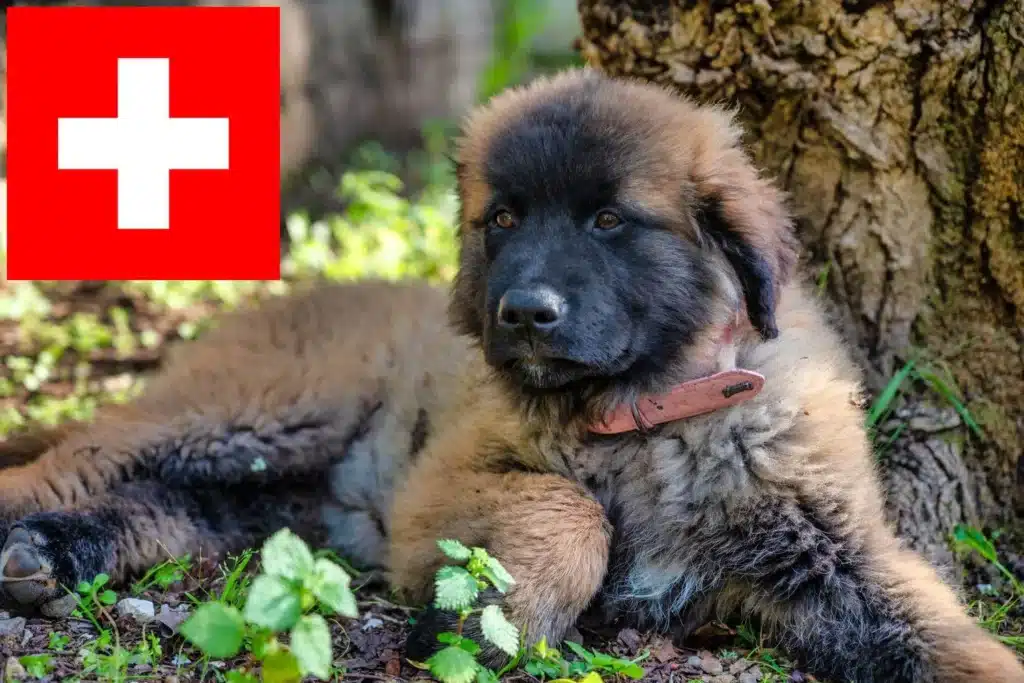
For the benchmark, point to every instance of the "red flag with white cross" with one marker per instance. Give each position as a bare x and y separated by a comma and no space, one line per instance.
143,143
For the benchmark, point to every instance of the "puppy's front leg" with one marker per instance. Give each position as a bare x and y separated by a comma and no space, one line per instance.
548,532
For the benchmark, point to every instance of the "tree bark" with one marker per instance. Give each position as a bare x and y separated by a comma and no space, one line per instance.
897,126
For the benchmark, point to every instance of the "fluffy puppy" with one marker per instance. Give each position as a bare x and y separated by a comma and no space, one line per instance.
617,242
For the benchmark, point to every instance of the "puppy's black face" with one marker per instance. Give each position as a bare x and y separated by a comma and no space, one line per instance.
567,278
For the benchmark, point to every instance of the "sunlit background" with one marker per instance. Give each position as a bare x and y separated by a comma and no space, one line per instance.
367,188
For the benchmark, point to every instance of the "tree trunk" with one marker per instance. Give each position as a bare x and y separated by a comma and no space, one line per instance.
898,129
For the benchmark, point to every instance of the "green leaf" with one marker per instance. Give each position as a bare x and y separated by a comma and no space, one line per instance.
969,537
108,597
281,667
467,644
453,665
216,629
37,666
236,676
499,630
634,671
454,588
454,550
58,641
580,651
311,643
485,675
543,650
331,585
888,395
285,554
497,575
594,677
273,603
577,667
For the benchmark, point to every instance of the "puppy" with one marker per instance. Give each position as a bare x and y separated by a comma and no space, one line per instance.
659,418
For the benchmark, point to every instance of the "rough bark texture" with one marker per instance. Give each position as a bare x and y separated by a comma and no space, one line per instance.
898,128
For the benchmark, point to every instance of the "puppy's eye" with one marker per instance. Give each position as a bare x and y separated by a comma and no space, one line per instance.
606,220
504,219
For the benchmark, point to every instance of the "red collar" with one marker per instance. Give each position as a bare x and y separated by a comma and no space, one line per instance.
696,397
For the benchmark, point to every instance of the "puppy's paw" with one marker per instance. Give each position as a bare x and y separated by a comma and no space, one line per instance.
422,641
48,554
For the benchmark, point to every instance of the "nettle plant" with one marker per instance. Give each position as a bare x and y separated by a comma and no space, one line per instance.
456,588
285,597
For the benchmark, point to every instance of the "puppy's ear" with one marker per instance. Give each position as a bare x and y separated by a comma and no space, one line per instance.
746,216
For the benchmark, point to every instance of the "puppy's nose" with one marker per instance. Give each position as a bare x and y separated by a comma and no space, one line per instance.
539,309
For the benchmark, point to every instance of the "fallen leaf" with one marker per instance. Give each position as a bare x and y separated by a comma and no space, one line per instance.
663,650
630,638
393,667
171,619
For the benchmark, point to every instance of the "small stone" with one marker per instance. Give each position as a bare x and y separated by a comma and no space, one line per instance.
14,669
60,608
693,661
739,666
711,665
724,678
118,383
371,622
747,677
142,611
12,628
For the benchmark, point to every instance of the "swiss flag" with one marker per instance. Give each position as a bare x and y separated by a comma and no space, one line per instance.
143,143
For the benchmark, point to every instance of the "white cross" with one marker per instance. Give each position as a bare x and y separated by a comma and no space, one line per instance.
143,144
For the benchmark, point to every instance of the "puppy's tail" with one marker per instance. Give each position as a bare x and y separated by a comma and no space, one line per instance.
958,649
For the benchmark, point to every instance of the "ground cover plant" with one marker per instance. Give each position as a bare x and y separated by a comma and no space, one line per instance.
285,611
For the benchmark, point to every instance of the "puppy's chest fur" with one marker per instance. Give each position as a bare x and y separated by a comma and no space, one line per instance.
675,497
